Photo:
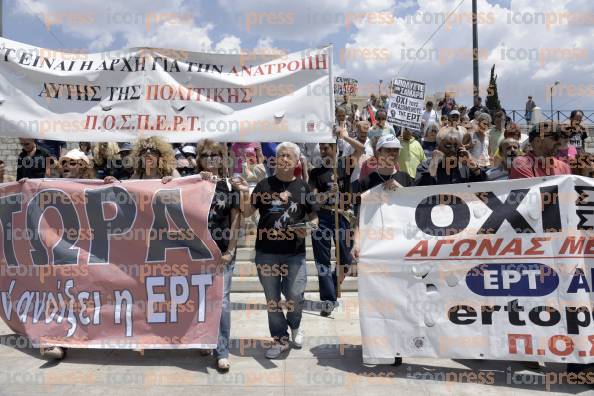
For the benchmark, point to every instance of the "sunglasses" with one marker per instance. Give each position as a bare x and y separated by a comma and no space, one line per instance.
148,151
70,163
211,155
382,119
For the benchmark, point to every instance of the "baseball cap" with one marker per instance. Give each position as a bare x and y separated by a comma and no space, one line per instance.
125,147
191,150
454,112
388,141
76,155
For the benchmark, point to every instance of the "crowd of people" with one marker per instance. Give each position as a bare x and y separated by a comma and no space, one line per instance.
296,191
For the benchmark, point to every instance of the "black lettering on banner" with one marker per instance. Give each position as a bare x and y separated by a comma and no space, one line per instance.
585,199
64,252
502,211
460,220
9,205
168,204
551,215
462,314
100,227
554,316
573,319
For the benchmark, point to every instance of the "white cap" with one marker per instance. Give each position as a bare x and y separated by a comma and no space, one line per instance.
454,112
388,141
189,150
76,155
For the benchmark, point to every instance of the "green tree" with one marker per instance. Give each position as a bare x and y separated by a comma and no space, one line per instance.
493,103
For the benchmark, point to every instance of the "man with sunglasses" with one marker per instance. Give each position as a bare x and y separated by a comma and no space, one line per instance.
381,128
545,140
450,163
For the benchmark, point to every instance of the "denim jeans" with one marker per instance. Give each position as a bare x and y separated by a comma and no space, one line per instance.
284,273
222,350
322,240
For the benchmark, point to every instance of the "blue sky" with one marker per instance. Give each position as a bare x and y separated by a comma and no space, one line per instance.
222,25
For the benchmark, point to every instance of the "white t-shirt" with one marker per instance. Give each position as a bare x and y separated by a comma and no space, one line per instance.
429,116
480,149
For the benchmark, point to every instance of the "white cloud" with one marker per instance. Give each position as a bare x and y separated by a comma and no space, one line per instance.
307,21
229,44
157,23
528,57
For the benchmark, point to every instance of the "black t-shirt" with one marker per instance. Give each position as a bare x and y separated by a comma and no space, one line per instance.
219,216
32,167
321,178
281,204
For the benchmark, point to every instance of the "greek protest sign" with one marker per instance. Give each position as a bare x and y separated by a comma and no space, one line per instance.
345,86
124,265
179,95
405,106
497,270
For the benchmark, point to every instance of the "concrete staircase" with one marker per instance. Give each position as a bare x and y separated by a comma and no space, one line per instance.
245,276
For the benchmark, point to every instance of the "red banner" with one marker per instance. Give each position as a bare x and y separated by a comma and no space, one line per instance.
124,265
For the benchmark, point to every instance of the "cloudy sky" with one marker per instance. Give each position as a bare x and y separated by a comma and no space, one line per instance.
532,43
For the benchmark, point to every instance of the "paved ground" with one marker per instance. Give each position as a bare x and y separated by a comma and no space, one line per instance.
330,362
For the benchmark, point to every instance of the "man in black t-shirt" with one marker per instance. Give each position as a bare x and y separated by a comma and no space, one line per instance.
322,182
285,205
33,161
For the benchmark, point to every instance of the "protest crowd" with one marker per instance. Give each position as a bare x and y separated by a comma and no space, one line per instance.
295,191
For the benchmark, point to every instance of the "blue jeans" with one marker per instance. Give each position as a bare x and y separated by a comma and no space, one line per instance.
322,240
284,273
222,350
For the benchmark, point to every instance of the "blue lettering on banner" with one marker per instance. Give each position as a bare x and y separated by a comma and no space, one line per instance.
512,279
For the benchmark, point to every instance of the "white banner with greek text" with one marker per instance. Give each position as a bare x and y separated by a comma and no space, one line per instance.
498,270
179,95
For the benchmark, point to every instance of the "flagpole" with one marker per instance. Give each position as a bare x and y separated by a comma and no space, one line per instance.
335,173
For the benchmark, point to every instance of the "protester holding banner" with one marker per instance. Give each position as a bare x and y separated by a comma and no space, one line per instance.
124,168
327,190
286,213
33,162
223,224
76,165
154,159
450,162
